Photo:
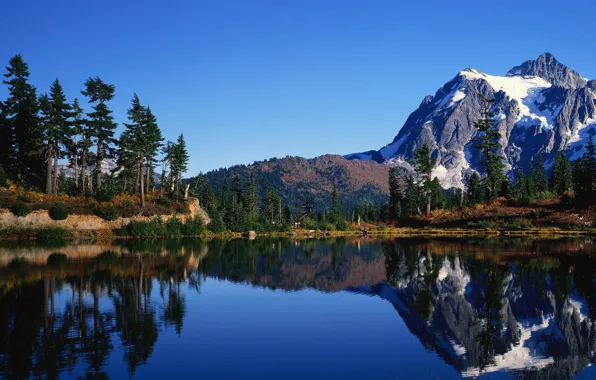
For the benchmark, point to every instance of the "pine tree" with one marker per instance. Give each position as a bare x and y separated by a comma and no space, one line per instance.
394,194
540,178
251,201
6,142
487,141
57,133
237,189
561,178
336,214
308,206
584,175
411,199
100,121
179,162
78,125
154,141
519,185
168,162
133,144
423,164
474,194
24,137
438,196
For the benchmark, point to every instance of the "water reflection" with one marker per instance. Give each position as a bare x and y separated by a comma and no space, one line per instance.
519,307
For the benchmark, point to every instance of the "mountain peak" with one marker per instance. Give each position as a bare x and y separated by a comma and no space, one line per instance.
547,67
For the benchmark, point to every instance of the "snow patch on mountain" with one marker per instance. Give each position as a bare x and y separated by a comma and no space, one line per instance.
526,91
452,177
453,97
579,139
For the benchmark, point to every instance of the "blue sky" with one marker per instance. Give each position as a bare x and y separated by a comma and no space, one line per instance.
246,80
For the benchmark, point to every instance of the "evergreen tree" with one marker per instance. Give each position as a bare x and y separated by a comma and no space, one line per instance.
487,141
24,137
45,123
74,152
337,212
154,141
519,188
308,206
237,189
179,162
100,121
561,178
394,194
287,215
168,152
438,196
251,201
474,193
423,164
134,144
411,199
6,142
57,133
584,175
540,178
272,209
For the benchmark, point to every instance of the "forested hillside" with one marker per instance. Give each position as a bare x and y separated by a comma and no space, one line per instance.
297,179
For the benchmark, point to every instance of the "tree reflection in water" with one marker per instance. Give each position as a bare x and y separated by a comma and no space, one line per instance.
483,306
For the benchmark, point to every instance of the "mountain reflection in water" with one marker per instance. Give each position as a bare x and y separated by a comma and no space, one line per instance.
498,307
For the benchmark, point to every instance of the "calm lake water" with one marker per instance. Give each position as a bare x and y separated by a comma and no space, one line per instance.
318,309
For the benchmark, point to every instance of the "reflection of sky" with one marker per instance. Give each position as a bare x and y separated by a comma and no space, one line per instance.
239,331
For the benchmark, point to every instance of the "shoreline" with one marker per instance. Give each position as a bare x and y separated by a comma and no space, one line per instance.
100,235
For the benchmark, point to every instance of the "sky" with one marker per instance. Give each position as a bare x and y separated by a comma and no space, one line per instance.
247,80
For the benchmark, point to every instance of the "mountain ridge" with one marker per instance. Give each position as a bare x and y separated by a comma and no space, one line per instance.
542,106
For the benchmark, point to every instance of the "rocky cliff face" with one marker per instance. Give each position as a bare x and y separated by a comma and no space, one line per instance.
541,107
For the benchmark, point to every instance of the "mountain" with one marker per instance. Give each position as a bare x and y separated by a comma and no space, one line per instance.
295,178
541,107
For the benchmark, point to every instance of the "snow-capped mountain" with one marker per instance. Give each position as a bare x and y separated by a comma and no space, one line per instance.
541,106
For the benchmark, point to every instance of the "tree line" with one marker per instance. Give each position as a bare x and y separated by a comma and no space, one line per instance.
38,131
418,193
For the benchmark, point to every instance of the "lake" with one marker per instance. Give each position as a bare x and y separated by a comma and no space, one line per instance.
280,308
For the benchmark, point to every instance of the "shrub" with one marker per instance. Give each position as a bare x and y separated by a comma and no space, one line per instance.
108,212
174,227
20,209
23,198
52,235
93,205
325,226
3,179
481,224
182,210
142,228
164,202
57,212
104,195
342,225
193,226
518,224
156,227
